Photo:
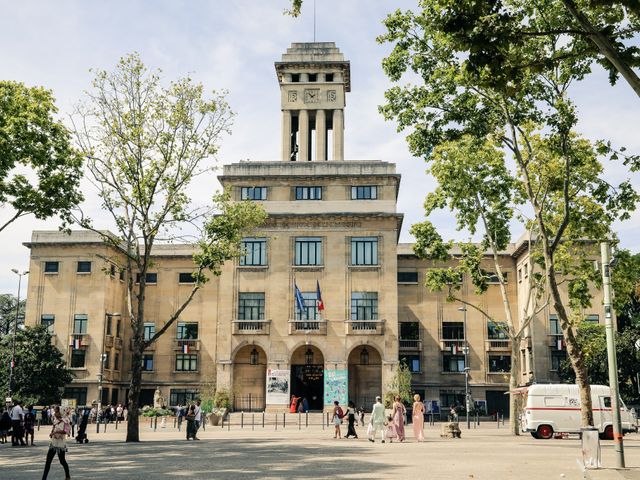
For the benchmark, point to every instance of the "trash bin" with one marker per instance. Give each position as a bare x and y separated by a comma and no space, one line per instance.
591,455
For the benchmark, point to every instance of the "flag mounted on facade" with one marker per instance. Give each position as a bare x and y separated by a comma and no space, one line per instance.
299,299
185,348
319,302
560,344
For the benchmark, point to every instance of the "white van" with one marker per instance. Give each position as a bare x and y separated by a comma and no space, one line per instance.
555,408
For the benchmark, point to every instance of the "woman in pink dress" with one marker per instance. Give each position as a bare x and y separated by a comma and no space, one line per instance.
418,418
398,418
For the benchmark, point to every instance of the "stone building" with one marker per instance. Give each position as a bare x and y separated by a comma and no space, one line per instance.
333,230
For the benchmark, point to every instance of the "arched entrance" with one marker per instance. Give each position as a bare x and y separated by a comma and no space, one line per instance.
365,376
249,379
307,375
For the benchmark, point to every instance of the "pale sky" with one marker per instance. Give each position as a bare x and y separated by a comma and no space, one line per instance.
232,45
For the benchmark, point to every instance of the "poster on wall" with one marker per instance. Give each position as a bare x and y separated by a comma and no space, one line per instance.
277,387
336,387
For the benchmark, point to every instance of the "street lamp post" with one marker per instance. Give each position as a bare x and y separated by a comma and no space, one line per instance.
109,316
465,350
15,328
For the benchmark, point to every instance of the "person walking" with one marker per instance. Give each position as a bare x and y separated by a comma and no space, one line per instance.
351,418
338,414
398,413
180,412
17,417
74,421
190,417
58,445
418,418
5,425
294,404
29,424
305,405
198,418
376,423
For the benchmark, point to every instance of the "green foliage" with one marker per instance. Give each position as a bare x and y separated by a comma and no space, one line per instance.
156,412
39,169
625,281
400,384
40,372
222,398
8,304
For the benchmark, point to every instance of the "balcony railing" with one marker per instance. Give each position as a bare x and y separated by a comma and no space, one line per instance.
79,339
117,341
556,341
365,327
449,344
108,341
314,327
192,344
498,344
410,343
251,327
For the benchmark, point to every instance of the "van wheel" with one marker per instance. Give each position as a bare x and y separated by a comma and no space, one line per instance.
608,433
535,435
545,432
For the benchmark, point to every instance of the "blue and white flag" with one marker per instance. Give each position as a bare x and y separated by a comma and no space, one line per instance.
299,299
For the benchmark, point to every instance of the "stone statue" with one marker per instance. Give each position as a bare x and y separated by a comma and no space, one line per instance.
158,401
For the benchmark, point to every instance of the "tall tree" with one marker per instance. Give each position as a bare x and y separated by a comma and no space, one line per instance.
530,119
40,171
146,143
8,310
40,372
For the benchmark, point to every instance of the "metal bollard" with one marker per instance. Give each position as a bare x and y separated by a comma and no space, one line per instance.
498,420
502,419
104,427
276,421
38,425
306,419
175,422
242,419
263,419
116,423
155,424
284,420
299,421
229,423
253,418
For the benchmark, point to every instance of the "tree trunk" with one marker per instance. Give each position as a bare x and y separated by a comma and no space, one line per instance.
573,350
514,382
133,430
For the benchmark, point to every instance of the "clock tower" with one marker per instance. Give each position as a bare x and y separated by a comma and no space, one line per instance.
313,78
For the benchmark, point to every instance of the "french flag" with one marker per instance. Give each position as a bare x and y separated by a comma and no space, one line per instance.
319,302
185,348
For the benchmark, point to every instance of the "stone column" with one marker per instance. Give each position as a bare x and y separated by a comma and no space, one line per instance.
303,136
286,135
321,136
338,135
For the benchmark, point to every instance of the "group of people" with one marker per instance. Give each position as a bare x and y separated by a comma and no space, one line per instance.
389,426
109,413
18,422
192,413
298,404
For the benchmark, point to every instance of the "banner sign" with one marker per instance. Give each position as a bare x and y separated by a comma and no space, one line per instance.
278,387
336,387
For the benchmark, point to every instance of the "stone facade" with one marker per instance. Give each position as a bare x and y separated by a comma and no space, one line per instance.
332,224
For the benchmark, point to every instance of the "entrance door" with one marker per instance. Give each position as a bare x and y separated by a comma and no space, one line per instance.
497,402
308,381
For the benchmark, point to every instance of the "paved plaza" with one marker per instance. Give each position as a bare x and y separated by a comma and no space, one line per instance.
483,453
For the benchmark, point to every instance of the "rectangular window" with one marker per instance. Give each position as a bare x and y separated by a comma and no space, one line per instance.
77,358
151,278
185,277
364,250
121,275
251,306
493,277
497,331
79,393
452,330
593,318
310,311
412,361
409,331
187,331
449,398
106,360
364,192
186,362
80,323
554,325
84,267
112,270
108,320
149,331
519,275
255,252
116,361
364,305
452,363
118,328
407,277
181,396
526,270
48,321
308,193
147,362
499,363
308,251
51,267
557,357
253,193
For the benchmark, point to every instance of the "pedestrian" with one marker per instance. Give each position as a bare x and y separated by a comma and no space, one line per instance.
398,413
191,422
5,425
29,424
453,413
418,418
119,412
74,421
58,444
294,404
125,413
198,419
361,415
17,417
338,414
351,418
376,423
180,414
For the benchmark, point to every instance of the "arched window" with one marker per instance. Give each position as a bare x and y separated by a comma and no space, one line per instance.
253,357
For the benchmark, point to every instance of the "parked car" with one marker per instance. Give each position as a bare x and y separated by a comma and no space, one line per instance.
555,408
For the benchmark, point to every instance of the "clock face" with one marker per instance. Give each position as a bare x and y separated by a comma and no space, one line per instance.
311,95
